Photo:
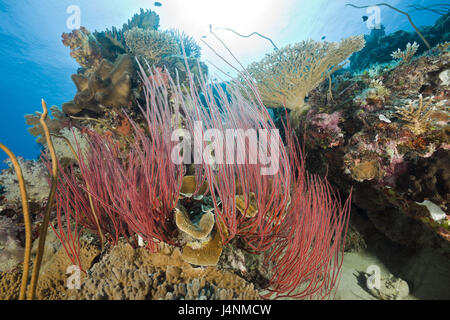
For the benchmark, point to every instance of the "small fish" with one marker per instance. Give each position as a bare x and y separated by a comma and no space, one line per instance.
324,37
157,4
365,18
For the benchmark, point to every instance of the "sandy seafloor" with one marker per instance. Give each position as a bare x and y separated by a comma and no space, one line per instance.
425,271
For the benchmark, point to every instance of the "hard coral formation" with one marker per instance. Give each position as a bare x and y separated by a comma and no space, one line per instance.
199,230
55,274
145,19
189,186
204,252
186,43
10,284
406,55
366,170
112,42
286,76
108,87
136,274
417,118
151,45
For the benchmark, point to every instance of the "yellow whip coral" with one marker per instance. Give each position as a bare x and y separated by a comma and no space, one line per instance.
287,75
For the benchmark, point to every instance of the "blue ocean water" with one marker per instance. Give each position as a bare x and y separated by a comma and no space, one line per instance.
34,63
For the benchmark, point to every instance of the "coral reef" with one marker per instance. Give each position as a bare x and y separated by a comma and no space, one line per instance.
380,45
84,48
127,273
382,133
429,178
393,148
416,117
191,48
112,42
107,81
109,87
406,55
286,76
63,150
54,124
36,177
11,250
151,45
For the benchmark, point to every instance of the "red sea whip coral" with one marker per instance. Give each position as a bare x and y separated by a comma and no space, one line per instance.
300,224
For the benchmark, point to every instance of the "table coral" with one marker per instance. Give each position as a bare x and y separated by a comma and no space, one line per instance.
286,76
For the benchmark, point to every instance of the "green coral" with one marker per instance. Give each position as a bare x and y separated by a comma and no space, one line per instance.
151,45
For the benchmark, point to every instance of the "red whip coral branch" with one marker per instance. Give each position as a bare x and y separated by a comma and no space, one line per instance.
147,182
307,256
240,170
